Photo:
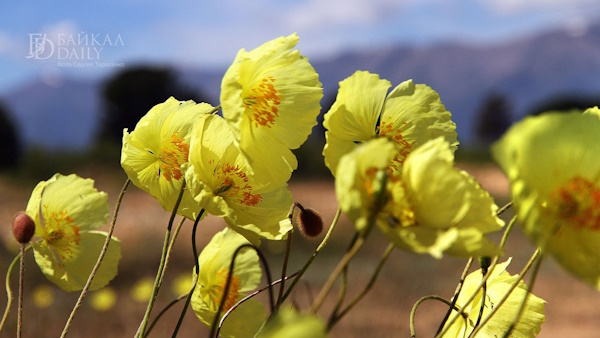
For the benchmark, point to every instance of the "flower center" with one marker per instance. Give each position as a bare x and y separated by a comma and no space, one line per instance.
262,102
386,129
234,184
219,289
173,153
578,202
60,233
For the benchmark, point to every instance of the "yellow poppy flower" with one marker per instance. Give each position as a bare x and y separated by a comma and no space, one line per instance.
154,151
215,261
553,165
288,323
270,97
66,209
409,115
218,177
430,207
498,284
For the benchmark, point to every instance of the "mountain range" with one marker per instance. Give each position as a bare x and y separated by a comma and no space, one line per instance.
526,70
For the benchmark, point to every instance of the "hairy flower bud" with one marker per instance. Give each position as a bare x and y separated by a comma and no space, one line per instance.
23,228
309,222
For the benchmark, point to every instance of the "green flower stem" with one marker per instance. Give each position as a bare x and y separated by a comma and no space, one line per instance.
480,315
170,249
214,328
507,231
534,273
336,273
98,262
197,270
314,255
20,303
504,208
343,285
456,294
533,259
284,268
163,311
355,301
243,300
8,289
413,312
157,282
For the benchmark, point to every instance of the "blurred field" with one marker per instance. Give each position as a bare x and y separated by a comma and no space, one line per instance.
572,309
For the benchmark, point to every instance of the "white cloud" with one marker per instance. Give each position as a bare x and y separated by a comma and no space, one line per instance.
518,6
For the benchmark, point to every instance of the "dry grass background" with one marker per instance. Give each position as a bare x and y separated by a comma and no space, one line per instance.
572,309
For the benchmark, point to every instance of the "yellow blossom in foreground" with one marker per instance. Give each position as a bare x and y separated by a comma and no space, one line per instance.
270,98
215,261
218,178
154,151
498,284
66,209
410,115
430,208
553,164
288,323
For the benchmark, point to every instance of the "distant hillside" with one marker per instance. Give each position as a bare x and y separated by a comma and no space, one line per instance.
527,71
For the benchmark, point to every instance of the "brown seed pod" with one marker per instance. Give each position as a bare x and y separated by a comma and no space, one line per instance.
23,228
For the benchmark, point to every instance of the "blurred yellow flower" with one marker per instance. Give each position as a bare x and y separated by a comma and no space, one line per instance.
142,289
430,207
65,210
215,261
409,115
43,296
182,284
553,165
154,151
288,323
103,299
270,98
498,284
218,177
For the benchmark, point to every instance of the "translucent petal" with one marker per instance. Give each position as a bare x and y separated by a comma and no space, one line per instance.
288,323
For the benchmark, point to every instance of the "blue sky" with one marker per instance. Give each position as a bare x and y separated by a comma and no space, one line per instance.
204,34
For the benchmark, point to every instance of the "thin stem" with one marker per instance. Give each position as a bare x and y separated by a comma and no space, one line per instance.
533,258
413,312
336,273
196,269
481,307
286,258
214,329
21,280
507,231
243,300
343,284
534,273
161,266
99,261
456,294
314,255
355,301
163,311
8,289
504,208
170,248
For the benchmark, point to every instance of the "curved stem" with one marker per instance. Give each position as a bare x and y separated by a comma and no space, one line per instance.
355,301
533,258
413,312
343,286
214,328
336,273
161,266
196,269
170,248
481,307
99,261
243,300
20,303
314,255
284,268
456,294
162,312
8,289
